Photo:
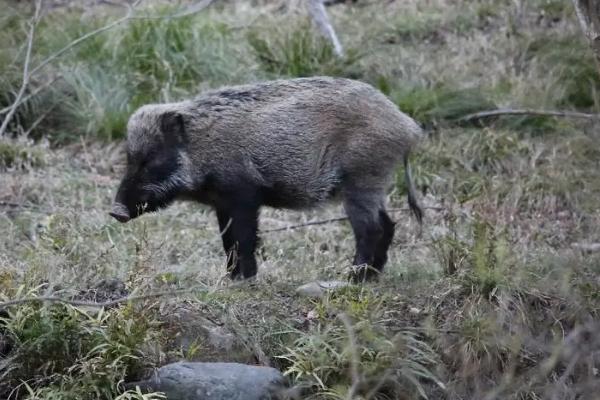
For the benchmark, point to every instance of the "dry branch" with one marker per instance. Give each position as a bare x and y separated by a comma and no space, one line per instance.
336,219
319,15
26,74
526,111
31,95
125,299
82,303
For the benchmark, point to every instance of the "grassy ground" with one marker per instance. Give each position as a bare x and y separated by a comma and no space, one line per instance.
494,299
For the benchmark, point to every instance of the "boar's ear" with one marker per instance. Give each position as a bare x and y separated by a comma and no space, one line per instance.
172,126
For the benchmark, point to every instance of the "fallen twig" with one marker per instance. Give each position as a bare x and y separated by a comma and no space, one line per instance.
527,111
337,219
319,222
32,94
125,299
82,303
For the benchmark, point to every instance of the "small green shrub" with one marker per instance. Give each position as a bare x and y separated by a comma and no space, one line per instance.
322,358
99,105
63,351
299,51
569,62
480,257
423,26
439,104
173,56
389,363
18,155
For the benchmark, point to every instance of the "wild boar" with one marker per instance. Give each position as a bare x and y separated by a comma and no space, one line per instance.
286,144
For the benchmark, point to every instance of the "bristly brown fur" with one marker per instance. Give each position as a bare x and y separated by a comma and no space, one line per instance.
286,143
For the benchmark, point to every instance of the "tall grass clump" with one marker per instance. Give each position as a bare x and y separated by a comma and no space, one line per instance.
60,351
296,50
340,359
436,104
98,83
173,57
569,64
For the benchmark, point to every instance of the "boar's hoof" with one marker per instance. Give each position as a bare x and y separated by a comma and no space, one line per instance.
363,273
120,213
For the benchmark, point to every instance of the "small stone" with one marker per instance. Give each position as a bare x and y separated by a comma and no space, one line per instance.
312,314
414,310
318,289
312,290
214,381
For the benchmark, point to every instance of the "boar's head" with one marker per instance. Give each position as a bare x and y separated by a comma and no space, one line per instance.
156,170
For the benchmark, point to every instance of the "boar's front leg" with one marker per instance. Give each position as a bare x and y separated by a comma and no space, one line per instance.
238,223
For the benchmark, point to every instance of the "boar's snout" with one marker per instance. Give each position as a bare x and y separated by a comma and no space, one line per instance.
120,212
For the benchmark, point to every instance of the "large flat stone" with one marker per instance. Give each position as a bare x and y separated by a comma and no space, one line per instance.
214,381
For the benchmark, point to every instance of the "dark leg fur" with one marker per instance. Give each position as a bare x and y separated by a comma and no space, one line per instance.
238,222
369,232
244,226
385,241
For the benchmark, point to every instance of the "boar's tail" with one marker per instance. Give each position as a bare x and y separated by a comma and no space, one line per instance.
412,198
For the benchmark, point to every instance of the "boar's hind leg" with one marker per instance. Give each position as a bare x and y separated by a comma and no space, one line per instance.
372,231
239,225
384,242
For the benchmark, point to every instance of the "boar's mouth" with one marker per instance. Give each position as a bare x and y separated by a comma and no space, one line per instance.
120,213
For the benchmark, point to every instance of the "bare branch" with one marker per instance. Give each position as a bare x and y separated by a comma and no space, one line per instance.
32,94
336,219
319,15
82,303
126,299
26,74
319,222
545,113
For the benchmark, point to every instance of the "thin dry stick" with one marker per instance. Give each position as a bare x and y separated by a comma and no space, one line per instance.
545,113
125,299
30,95
26,74
290,227
337,219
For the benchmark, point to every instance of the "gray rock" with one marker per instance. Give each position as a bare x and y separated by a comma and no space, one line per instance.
214,381
319,288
